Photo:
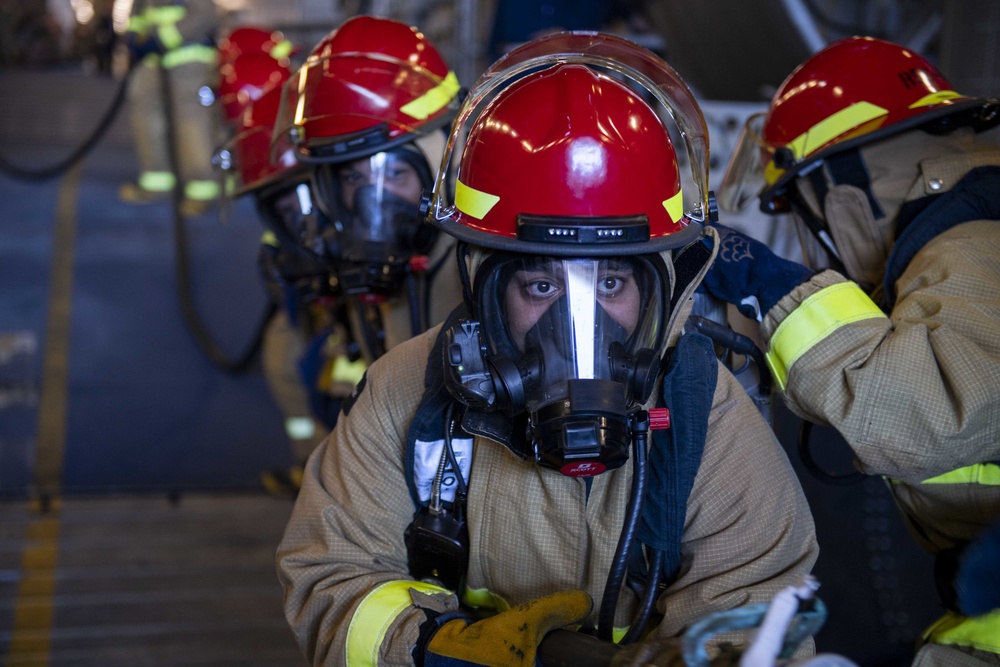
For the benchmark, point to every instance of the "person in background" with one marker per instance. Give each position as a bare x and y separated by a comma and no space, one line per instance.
892,336
172,45
348,255
474,494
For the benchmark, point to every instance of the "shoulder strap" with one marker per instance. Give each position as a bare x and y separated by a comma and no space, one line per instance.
428,421
675,455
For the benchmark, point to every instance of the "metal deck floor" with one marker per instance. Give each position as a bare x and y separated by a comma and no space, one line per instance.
134,581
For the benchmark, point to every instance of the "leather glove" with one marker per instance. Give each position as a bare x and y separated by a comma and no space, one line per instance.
747,274
508,639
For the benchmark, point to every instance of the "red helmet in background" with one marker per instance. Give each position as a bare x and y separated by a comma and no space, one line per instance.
371,84
853,92
564,155
250,149
246,78
252,39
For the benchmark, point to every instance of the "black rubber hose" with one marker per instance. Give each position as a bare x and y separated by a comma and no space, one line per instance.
633,513
61,167
649,598
205,342
817,471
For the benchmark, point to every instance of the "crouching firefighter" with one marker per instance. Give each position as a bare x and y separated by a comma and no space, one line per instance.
511,472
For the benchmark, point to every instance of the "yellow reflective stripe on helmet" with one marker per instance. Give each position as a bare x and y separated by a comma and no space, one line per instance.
191,53
345,370
935,98
281,50
473,202
832,127
675,206
979,632
987,474
375,614
434,99
816,318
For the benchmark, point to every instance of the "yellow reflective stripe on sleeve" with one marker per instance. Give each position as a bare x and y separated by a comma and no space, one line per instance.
473,202
484,598
375,614
935,98
816,318
269,238
170,36
193,53
434,99
979,632
832,127
164,15
345,370
300,428
675,206
987,474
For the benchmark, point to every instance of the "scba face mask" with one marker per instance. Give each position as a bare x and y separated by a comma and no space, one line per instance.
574,343
377,230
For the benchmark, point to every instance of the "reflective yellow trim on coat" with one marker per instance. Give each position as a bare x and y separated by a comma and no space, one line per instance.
434,99
192,53
814,320
987,474
375,614
979,632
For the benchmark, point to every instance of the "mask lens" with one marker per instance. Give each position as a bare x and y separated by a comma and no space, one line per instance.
560,319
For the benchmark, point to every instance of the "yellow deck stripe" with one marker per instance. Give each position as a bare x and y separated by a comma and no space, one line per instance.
31,635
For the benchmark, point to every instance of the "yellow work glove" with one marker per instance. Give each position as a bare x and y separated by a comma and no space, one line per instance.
508,639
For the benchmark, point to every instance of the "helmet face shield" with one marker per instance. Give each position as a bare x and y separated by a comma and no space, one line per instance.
559,320
744,178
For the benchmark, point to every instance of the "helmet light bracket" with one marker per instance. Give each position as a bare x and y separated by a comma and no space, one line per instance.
563,230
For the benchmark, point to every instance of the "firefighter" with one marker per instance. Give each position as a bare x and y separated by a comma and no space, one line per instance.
368,113
474,494
347,254
892,336
173,42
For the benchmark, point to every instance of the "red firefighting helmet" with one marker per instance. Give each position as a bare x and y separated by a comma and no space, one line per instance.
564,158
244,79
853,92
253,39
369,85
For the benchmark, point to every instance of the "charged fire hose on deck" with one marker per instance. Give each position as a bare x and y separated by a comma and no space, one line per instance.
203,338
25,174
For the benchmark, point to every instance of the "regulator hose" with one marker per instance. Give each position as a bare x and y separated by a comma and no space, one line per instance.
14,171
